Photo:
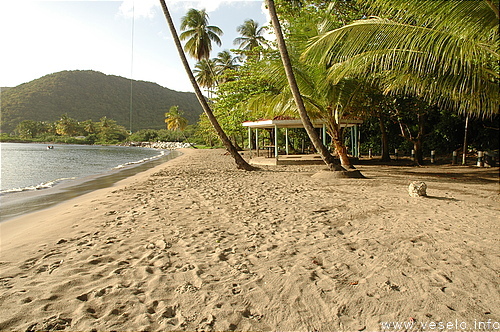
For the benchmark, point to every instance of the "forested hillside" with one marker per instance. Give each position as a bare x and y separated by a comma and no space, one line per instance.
91,95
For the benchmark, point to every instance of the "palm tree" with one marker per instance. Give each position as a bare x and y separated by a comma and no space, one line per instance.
224,62
445,52
320,147
206,75
321,99
240,162
175,120
199,34
251,36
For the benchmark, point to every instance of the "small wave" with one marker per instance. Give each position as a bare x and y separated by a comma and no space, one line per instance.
162,153
40,186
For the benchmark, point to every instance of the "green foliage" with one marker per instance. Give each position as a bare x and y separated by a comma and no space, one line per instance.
68,130
109,132
445,52
230,105
30,129
86,95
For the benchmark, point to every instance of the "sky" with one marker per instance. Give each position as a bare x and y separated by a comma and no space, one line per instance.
128,38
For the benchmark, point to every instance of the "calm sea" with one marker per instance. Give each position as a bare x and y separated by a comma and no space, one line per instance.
34,177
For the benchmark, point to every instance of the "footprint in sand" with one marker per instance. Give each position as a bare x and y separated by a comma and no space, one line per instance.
236,289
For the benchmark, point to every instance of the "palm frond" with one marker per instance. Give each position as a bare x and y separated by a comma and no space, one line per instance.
422,55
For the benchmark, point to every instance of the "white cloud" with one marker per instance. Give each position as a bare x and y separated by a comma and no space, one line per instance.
142,8
208,5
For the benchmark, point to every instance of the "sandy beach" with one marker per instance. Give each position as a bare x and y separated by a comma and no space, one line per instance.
195,244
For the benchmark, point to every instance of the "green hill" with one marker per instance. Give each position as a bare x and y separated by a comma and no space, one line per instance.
86,94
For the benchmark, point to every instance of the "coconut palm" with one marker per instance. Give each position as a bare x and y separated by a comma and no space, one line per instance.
224,62
206,74
199,34
313,135
175,120
442,51
251,36
240,162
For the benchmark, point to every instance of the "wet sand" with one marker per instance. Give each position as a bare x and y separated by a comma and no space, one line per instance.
194,244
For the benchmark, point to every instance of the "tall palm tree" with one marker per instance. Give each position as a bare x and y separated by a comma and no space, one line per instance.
443,51
240,162
313,135
199,34
251,36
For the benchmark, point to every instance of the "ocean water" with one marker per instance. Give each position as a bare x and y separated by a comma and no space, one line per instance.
33,177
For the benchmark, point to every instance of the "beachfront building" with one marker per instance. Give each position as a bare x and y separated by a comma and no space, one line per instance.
277,125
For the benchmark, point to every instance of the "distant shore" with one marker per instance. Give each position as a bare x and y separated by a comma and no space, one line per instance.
196,244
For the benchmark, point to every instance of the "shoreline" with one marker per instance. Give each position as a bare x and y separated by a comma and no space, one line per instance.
17,203
196,244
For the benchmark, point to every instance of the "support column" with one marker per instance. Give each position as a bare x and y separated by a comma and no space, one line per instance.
286,141
358,141
249,138
257,140
276,141
355,141
324,134
351,131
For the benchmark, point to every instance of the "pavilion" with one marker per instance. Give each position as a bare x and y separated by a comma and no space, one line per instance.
286,123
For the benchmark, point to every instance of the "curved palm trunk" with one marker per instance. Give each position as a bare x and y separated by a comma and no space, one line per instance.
240,162
339,146
306,121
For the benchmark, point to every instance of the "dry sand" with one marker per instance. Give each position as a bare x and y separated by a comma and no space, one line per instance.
195,244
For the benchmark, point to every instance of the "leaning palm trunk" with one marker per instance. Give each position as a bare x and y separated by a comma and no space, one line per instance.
335,132
240,162
306,121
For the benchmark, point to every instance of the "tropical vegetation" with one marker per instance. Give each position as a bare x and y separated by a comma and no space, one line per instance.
413,87
69,130
85,94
